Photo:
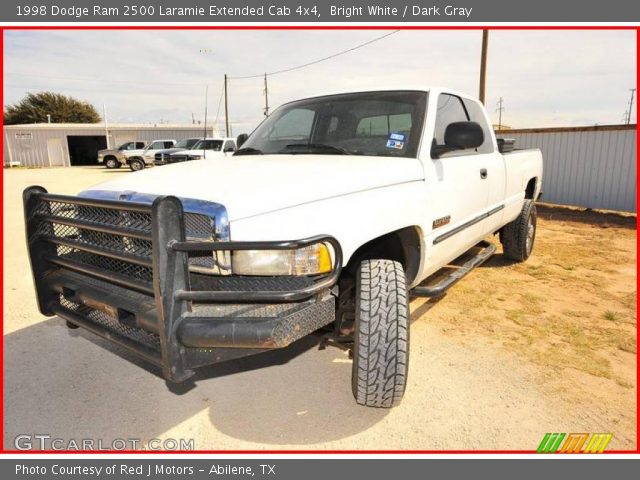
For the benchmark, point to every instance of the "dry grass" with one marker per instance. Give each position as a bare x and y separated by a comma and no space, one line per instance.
570,308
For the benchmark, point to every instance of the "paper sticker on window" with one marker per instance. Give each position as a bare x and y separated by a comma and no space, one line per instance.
396,136
395,144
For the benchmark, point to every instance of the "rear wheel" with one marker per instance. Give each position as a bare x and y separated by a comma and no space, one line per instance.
381,344
136,164
517,237
111,163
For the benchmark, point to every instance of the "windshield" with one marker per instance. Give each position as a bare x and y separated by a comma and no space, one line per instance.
385,124
215,145
126,146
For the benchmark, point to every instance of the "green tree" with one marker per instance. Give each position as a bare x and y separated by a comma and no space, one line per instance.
34,107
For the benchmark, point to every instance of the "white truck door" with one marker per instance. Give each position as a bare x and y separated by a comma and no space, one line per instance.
493,168
457,191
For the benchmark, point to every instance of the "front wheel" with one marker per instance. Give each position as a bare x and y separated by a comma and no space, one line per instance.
111,163
136,164
517,237
381,344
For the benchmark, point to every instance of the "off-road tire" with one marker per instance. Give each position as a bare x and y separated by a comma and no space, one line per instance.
381,343
135,164
111,163
518,237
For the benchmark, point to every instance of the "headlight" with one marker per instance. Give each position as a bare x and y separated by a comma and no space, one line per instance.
311,260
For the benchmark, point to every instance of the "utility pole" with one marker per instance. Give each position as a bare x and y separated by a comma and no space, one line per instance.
483,63
633,92
500,109
226,106
206,108
106,125
266,97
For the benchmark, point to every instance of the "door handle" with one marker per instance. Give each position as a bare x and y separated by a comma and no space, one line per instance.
483,173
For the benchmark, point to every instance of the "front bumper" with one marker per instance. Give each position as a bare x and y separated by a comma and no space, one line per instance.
172,318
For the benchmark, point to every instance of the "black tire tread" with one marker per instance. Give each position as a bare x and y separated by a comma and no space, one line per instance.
513,236
381,347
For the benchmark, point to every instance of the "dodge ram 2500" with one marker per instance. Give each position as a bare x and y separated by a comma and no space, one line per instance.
331,215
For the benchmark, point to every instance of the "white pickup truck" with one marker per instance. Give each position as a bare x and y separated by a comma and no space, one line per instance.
331,215
138,159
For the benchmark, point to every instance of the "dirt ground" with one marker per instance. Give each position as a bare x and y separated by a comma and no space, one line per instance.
512,352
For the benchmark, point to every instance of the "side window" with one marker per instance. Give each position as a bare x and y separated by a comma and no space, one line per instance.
476,114
168,144
140,145
450,109
157,146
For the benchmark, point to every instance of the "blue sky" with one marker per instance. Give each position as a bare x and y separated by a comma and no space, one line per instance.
547,78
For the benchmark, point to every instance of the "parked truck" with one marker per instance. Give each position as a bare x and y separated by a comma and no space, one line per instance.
115,157
332,214
138,159
206,148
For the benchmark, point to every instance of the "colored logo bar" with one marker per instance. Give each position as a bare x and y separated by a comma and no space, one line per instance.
574,443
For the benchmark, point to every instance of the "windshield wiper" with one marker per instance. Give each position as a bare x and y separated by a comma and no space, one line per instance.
316,146
248,151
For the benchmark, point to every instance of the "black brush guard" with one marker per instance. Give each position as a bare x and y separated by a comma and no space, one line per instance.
121,270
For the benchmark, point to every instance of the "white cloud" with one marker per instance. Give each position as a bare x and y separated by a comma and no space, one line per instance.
546,77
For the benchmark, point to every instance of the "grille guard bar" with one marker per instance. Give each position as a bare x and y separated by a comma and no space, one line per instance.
170,287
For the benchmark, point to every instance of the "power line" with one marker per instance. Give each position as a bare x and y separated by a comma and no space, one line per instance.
298,67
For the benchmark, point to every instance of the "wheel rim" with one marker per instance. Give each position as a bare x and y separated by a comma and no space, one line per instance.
111,163
136,166
531,233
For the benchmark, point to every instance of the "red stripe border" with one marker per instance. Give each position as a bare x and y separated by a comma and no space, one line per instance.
302,27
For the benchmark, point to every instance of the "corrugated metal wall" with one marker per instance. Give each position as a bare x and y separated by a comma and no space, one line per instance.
27,146
592,167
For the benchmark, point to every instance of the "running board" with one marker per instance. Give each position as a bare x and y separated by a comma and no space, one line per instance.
440,288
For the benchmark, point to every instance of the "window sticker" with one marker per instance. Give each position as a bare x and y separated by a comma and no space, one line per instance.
396,141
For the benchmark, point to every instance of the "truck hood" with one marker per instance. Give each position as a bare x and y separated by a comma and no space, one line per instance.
250,185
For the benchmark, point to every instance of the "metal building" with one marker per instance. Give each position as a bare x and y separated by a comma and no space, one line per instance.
71,144
593,167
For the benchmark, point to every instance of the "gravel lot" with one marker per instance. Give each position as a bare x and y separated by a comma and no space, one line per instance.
512,352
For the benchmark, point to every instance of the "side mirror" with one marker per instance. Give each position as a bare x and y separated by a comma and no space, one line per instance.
459,136
229,150
241,139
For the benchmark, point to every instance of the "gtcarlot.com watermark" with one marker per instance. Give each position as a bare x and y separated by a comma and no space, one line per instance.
49,442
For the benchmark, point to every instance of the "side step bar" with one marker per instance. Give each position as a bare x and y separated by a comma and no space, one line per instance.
440,288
